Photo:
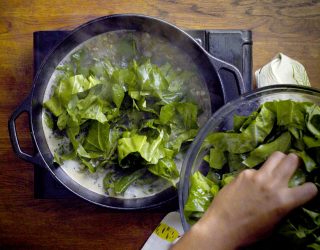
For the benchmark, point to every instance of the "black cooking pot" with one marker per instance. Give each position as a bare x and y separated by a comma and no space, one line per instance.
207,66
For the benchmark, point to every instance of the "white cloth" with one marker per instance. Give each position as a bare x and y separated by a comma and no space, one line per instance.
282,70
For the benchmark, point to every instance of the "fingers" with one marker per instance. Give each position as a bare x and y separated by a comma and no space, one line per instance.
287,167
272,162
280,166
299,195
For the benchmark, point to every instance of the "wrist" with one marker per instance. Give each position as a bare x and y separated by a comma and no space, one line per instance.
213,234
208,234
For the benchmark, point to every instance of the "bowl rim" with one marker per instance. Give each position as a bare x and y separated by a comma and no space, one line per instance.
195,146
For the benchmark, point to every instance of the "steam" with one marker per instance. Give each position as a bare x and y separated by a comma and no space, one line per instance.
159,41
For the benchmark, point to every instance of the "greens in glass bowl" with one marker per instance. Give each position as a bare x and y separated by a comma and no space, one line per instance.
241,135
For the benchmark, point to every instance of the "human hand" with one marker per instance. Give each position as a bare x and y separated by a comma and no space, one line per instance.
250,206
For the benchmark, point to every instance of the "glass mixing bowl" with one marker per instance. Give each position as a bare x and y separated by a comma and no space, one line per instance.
223,120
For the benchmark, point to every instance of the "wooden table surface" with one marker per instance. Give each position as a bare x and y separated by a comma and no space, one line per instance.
291,27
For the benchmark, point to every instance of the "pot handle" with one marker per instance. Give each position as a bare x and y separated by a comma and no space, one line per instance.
227,77
23,107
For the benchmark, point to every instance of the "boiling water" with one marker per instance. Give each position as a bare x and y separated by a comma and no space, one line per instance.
159,51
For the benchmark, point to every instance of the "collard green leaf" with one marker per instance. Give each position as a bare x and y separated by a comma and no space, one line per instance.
291,114
214,190
126,78
121,184
63,120
48,120
176,79
127,49
90,166
311,142
101,139
248,121
117,94
108,180
94,112
285,126
77,145
315,216
200,195
315,246
235,162
181,115
313,122
293,232
151,152
296,133
132,144
175,142
214,176
60,158
247,140
165,168
54,105
309,163
66,88
261,153
297,140
147,105
227,178
238,120
261,126
216,159
111,113
70,86
150,78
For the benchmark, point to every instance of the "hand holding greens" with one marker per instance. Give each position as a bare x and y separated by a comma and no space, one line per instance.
285,126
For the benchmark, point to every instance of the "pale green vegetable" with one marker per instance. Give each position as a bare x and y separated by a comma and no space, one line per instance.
287,126
130,120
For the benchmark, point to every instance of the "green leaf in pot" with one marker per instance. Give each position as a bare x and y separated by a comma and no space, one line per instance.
165,168
121,184
177,139
151,152
118,111
101,139
180,115
127,48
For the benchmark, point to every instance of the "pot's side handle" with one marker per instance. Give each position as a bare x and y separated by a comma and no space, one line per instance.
24,107
230,90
